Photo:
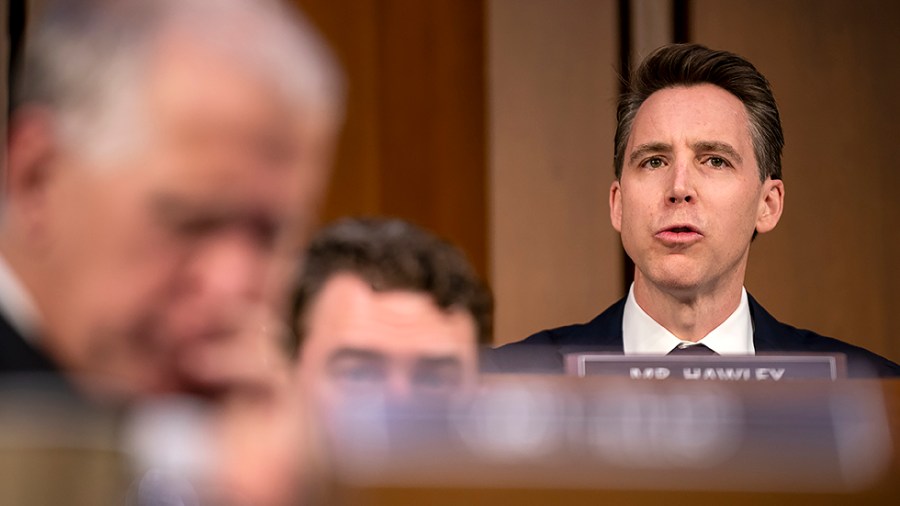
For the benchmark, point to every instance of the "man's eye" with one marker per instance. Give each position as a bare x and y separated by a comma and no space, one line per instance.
717,162
437,380
196,227
359,375
265,233
654,163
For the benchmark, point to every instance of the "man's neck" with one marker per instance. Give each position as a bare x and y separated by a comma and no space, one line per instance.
688,314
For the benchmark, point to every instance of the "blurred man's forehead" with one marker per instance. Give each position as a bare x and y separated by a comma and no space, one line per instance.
349,354
202,94
349,313
220,132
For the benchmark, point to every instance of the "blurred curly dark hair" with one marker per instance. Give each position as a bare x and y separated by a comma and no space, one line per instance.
391,254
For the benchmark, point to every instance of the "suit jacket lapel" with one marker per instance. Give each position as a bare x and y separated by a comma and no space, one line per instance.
768,333
18,355
603,333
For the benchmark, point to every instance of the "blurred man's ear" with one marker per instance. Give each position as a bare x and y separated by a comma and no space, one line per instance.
30,153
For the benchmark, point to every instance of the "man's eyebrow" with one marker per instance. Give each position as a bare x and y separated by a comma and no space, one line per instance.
717,147
176,207
355,354
651,147
435,362
169,205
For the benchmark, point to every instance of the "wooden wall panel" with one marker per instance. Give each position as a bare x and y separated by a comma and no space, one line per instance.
555,258
831,265
651,27
414,141
432,130
351,27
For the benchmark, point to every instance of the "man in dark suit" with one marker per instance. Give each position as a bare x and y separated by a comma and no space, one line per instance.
165,159
385,309
698,175
19,355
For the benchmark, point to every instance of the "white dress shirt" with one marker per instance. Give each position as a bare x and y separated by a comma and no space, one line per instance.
642,335
17,305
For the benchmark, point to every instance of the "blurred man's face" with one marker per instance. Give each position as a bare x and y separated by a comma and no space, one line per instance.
156,261
399,344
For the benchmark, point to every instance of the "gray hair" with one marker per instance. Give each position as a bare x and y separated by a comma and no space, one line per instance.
86,59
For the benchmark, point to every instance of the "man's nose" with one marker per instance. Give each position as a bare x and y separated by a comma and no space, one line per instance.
681,183
399,387
231,270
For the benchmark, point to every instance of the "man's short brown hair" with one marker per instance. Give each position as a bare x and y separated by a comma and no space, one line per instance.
693,64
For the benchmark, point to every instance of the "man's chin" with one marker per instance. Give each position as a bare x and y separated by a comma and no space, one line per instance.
679,280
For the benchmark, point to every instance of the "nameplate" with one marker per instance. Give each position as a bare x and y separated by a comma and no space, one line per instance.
734,368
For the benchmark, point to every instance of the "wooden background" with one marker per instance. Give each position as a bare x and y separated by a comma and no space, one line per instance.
831,265
491,122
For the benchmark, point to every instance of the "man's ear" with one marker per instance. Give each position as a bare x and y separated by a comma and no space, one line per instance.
615,205
771,205
30,155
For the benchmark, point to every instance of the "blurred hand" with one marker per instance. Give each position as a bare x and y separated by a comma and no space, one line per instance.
266,455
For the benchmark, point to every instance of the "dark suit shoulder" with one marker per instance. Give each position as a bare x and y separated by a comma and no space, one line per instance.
772,336
543,351
17,355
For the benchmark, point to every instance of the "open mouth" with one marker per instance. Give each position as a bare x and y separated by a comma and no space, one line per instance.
679,234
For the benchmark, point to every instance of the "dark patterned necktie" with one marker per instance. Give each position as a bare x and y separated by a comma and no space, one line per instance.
692,349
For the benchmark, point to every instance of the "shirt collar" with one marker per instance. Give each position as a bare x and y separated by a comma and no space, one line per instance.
17,305
642,335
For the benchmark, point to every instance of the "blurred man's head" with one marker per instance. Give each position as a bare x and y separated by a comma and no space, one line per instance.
386,307
165,161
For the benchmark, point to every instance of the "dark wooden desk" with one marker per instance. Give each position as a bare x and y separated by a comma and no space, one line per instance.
884,489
